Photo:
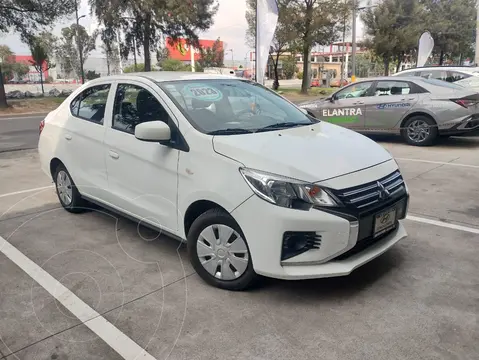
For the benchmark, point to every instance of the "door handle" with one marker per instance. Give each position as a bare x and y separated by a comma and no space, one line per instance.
114,155
359,103
68,137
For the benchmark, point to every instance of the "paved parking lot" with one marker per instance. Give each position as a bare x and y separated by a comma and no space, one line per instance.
112,290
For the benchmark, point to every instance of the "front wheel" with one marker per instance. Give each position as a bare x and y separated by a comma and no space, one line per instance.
219,253
420,131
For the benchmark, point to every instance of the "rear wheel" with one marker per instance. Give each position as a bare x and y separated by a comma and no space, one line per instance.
219,253
420,131
67,191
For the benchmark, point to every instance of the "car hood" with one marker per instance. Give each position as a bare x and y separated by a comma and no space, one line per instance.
310,153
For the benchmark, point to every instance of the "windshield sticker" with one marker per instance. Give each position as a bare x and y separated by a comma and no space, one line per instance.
202,92
342,115
393,106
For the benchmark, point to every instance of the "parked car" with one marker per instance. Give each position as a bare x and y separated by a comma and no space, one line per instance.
418,109
249,181
315,83
338,82
464,76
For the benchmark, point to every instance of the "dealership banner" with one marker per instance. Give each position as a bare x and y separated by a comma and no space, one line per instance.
426,45
180,50
266,21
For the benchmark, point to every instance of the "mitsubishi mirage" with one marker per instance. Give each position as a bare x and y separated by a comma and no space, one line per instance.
253,184
420,110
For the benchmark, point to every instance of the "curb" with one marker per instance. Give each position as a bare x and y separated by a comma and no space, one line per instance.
21,115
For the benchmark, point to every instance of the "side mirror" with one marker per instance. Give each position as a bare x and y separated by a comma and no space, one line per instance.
332,98
154,131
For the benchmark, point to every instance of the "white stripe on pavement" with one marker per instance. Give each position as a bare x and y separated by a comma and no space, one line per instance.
25,191
439,163
118,341
443,224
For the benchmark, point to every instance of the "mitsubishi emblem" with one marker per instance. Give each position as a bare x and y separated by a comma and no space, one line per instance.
383,192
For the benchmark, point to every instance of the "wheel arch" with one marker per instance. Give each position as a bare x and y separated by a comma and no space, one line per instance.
54,163
195,210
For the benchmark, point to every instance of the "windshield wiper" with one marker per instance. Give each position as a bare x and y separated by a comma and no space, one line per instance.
283,125
231,131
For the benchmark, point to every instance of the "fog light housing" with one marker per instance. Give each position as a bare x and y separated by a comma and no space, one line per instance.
298,242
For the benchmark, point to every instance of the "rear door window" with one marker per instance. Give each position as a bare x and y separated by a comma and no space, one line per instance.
434,74
457,76
388,88
91,103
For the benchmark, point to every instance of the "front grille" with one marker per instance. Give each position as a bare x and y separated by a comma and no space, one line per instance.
367,195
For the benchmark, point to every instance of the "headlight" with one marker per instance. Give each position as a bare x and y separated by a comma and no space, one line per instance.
287,192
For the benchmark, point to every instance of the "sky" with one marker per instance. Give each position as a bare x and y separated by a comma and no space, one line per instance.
229,24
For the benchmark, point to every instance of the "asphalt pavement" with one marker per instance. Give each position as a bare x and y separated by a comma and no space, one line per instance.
19,132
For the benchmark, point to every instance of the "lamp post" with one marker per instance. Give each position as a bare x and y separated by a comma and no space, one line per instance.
80,50
354,44
232,57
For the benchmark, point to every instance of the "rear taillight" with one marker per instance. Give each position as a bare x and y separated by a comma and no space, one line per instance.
40,128
465,103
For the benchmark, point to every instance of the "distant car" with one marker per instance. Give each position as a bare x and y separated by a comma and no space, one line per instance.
419,109
338,83
315,83
464,76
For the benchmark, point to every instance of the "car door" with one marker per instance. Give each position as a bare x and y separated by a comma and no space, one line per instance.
390,102
142,176
83,137
347,106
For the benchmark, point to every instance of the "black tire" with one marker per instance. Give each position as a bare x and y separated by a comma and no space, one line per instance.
431,137
77,204
218,217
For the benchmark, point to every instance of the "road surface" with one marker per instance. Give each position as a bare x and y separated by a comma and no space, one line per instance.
19,132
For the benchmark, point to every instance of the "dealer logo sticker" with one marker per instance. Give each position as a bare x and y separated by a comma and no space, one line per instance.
202,92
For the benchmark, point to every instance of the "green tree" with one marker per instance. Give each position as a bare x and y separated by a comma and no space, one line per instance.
133,68
393,29
11,68
211,56
151,18
74,37
40,58
174,65
109,47
315,22
289,67
285,37
92,74
452,25
25,17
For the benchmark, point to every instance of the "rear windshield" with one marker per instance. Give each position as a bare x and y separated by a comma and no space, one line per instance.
443,84
220,104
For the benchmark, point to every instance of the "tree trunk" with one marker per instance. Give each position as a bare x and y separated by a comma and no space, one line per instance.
41,79
108,66
146,42
441,58
3,96
306,59
276,75
398,65
386,66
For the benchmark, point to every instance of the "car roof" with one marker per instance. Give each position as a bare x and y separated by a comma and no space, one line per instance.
456,68
162,76
390,78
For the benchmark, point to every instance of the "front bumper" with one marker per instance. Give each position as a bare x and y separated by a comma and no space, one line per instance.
264,225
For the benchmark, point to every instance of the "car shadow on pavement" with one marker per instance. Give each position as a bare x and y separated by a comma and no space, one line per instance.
339,287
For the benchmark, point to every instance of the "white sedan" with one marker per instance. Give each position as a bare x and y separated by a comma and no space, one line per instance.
253,184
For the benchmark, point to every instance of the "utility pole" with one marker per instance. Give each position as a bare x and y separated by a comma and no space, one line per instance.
353,54
476,61
80,50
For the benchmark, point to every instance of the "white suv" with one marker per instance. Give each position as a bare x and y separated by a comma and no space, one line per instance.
251,183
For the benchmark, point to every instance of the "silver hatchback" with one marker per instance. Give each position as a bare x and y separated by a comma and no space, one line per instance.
418,109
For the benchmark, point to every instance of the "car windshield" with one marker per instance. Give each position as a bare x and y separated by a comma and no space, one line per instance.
229,106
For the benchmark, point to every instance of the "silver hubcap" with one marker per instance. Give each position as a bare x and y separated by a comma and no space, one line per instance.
222,252
64,187
418,130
